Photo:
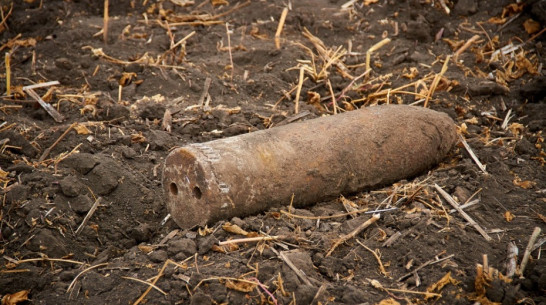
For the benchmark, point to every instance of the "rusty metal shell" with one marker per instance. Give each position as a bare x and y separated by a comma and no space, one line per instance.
313,160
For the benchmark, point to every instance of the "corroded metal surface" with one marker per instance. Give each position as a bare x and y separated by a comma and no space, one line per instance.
314,160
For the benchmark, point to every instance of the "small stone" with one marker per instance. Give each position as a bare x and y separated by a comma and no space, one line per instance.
466,7
82,162
94,283
81,204
68,275
238,222
71,186
160,140
63,63
462,194
133,68
305,294
16,139
113,111
152,111
200,299
420,57
486,87
205,244
419,30
353,295
524,147
158,256
141,233
127,152
351,224
17,193
104,177
302,260
539,11
46,242
495,291
218,291
268,270
185,246
235,129
21,168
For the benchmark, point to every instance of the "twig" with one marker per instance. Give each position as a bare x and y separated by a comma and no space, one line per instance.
334,103
8,73
377,257
374,48
436,81
182,40
169,236
516,16
351,83
237,7
50,110
392,239
225,278
15,271
280,27
486,265
206,87
472,155
4,19
427,263
105,22
285,95
10,42
89,214
466,205
249,240
298,91
48,150
41,85
81,273
168,261
228,32
444,6
48,260
465,46
536,35
511,264
348,4
506,119
377,284
145,282
327,56
352,234
539,243
325,217
320,291
451,201
298,272
527,253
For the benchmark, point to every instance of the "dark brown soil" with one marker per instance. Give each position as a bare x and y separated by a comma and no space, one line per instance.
117,148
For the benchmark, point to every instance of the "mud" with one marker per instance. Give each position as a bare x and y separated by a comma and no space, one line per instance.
117,146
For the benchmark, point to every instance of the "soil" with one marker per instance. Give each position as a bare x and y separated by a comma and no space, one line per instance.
109,162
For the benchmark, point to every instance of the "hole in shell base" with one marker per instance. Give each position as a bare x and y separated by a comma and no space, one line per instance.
197,192
173,188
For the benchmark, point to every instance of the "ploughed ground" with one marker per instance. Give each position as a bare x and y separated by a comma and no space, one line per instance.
170,73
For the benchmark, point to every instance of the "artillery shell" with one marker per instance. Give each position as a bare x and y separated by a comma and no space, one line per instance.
314,160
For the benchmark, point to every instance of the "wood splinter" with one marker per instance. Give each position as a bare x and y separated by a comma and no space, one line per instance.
452,201
355,232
